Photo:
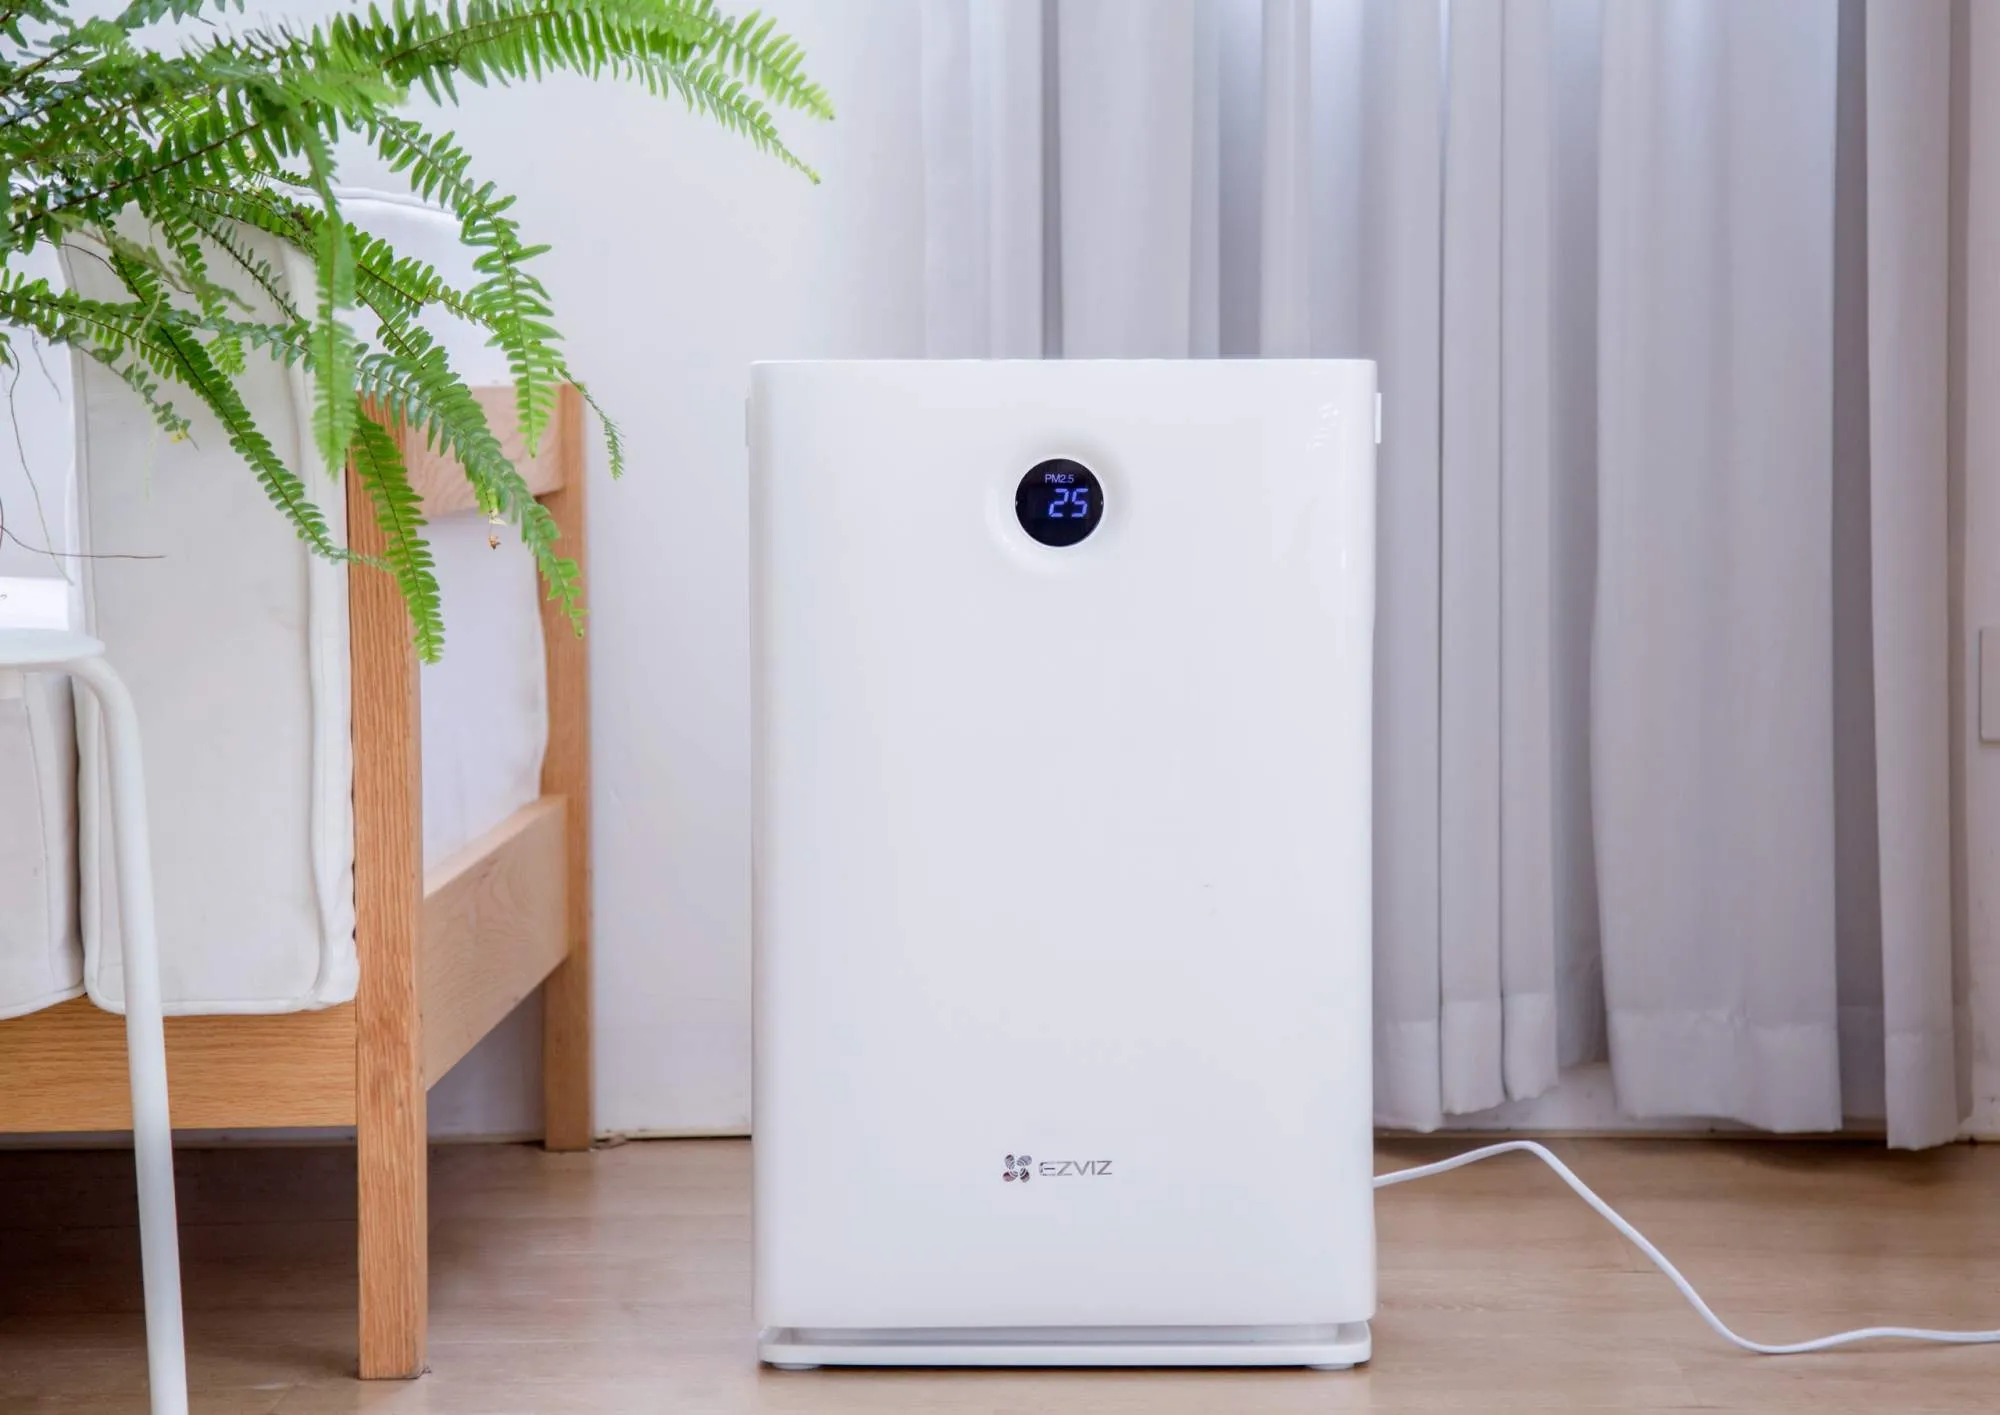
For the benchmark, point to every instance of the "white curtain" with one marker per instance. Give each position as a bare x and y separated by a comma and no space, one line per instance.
1773,729
1666,707
1713,720
1935,785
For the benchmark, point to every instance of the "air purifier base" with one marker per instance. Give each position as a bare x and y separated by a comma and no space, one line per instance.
1320,1347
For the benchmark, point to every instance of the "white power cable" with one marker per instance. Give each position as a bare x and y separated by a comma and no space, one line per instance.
1659,1259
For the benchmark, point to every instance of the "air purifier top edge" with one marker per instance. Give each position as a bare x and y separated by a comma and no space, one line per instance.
1065,363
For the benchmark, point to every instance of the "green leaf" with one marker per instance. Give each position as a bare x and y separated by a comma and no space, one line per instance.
399,515
186,165
335,409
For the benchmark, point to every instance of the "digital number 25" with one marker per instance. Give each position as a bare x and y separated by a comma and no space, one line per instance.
1077,498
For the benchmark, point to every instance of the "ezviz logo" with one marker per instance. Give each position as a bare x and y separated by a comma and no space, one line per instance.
1022,1168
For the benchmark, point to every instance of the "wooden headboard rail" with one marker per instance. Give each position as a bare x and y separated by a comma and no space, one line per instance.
441,482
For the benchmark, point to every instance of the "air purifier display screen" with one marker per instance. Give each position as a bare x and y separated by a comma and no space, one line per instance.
1059,501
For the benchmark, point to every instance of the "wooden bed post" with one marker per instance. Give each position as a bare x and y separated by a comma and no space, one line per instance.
391,1139
566,1006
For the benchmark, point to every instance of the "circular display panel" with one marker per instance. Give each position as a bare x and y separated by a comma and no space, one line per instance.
1059,501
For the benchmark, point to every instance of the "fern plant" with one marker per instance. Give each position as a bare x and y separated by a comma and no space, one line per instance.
159,161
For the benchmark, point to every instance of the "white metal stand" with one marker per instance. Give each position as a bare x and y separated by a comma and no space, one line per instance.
145,1035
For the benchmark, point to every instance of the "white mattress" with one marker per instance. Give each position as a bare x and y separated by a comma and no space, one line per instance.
41,954
41,957
233,640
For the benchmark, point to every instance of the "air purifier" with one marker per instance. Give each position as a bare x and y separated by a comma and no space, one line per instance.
1062,679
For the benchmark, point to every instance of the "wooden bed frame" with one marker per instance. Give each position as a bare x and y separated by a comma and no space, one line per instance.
445,954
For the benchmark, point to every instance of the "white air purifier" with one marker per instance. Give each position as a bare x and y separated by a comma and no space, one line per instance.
1062,862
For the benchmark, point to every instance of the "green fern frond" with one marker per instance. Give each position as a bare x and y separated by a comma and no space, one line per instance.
614,439
397,289
507,299
103,332
221,234
399,515
417,387
177,167
160,340
281,484
335,413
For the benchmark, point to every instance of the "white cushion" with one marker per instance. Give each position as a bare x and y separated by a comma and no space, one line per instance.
234,643
41,953
41,956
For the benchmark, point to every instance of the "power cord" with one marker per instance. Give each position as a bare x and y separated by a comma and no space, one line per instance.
1659,1259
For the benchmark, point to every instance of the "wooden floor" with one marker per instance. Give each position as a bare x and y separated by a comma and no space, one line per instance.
620,1281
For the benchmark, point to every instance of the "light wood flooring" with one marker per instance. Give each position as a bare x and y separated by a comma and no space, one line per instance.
620,1282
